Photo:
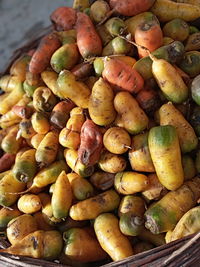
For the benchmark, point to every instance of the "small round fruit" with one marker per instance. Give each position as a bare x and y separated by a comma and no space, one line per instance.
117,140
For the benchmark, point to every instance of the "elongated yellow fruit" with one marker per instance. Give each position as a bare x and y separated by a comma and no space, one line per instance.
130,116
47,149
39,244
166,156
77,91
50,79
191,2
19,227
10,143
81,246
169,81
81,187
166,10
188,224
139,156
101,107
49,174
130,182
107,230
75,164
12,98
9,184
7,214
90,208
169,115
25,167
9,119
62,196
163,215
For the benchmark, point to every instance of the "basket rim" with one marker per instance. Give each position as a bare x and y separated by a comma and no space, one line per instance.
181,252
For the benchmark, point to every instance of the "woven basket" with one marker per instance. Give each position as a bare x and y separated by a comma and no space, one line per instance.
180,253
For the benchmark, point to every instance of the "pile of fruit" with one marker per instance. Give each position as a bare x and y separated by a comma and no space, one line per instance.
99,133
